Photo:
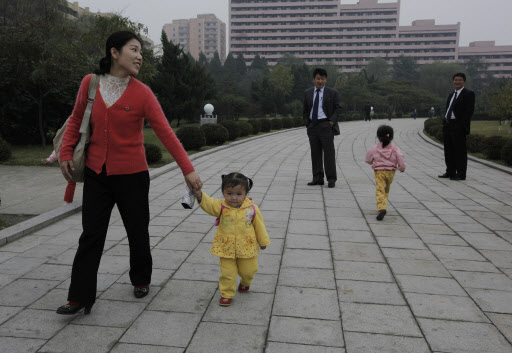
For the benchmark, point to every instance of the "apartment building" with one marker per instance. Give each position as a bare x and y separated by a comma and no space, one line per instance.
206,34
320,31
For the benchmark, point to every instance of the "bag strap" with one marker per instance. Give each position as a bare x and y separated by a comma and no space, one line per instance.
93,87
217,221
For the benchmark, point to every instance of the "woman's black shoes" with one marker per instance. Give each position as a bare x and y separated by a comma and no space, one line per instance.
70,309
140,292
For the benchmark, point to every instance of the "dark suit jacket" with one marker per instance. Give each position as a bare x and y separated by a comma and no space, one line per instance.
463,109
330,105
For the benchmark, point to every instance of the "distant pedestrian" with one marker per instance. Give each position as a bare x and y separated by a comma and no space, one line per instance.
240,236
385,158
70,188
367,112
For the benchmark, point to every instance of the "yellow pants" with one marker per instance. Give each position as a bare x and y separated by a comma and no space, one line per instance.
230,269
383,180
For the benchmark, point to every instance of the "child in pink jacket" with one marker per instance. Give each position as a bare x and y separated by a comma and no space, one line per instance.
384,158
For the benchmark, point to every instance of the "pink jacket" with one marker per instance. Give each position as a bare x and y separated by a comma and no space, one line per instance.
385,158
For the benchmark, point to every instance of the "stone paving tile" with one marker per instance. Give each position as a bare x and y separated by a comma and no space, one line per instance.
354,236
429,285
456,252
218,337
246,309
492,300
372,343
149,326
305,241
471,337
276,347
306,302
503,323
482,280
418,267
345,251
306,331
307,258
21,345
467,265
34,324
445,307
184,296
383,319
369,292
362,271
83,339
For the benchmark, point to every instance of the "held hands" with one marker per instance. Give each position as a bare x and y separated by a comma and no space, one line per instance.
65,167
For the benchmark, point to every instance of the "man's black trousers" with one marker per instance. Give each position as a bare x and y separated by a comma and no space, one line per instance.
455,151
323,154
101,192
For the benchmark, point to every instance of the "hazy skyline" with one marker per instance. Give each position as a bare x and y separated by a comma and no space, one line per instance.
480,19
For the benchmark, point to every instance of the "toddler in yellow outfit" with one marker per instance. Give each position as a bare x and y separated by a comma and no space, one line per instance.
385,158
240,236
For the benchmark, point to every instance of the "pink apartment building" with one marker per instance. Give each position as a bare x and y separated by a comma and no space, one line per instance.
320,31
206,34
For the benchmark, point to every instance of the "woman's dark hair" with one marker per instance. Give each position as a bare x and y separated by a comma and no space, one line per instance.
116,40
234,179
385,134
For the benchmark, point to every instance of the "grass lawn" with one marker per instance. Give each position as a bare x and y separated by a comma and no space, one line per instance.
486,128
31,155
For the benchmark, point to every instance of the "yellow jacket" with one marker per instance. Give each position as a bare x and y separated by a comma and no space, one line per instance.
237,236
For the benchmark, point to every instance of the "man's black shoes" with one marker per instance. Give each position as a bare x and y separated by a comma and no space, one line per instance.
321,182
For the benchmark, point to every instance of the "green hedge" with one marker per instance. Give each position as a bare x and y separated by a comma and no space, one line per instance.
506,152
266,125
153,153
191,137
215,134
233,129
245,128
256,125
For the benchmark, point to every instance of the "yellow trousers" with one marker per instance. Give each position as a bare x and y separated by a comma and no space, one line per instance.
383,180
230,269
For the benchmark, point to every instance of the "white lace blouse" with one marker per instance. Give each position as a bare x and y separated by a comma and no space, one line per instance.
112,88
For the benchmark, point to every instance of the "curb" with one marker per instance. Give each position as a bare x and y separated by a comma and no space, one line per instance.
499,167
19,230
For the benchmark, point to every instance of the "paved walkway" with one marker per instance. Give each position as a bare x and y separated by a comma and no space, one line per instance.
434,276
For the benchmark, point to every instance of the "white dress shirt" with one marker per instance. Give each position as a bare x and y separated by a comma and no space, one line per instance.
457,93
321,113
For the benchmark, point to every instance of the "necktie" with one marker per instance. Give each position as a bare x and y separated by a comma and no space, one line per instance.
450,109
314,116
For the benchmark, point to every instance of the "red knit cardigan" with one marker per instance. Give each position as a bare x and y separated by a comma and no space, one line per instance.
116,132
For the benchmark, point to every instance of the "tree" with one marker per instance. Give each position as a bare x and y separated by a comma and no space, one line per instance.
405,68
377,70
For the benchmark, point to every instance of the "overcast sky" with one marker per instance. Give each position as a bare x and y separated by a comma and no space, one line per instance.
480,19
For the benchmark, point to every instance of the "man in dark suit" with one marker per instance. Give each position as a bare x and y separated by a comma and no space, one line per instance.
320,114
457,121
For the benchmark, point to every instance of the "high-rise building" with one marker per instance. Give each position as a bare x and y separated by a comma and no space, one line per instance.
206,34
349,36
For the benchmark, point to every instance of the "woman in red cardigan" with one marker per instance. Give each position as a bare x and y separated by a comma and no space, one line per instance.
116,170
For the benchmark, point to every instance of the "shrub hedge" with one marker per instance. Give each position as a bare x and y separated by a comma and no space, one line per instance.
214,134
266,125
277,124
493,146
233,129
191,137
5,150
256,125
153,153
245,128
506,152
